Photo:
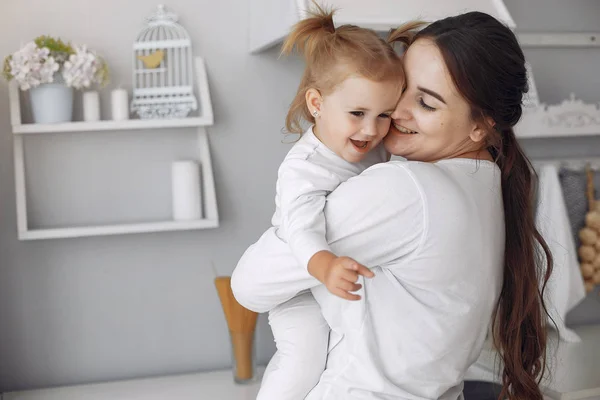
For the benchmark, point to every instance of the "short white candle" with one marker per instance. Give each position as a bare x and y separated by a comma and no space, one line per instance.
91,106
119,105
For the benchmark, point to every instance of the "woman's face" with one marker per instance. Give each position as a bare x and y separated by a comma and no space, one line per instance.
432,120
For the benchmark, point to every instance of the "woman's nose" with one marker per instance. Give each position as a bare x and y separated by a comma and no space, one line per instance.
401,111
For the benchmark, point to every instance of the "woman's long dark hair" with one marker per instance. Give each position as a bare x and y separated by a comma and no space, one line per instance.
488,69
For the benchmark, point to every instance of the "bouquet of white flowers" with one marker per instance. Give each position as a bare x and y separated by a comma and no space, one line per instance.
38,62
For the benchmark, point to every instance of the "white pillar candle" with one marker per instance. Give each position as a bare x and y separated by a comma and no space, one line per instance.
119,105
91,106
187,201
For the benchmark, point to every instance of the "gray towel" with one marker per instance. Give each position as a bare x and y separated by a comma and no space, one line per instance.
573,185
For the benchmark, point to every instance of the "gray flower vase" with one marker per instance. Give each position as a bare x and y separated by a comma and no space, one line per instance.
52,103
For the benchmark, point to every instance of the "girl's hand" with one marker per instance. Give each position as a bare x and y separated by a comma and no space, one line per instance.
338,274
341,276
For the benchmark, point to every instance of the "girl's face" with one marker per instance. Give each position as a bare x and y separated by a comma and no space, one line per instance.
432,120
355,116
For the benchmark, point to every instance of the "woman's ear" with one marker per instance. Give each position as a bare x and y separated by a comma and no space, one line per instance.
313,100
481,129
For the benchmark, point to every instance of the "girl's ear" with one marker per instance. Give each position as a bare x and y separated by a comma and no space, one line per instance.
313,101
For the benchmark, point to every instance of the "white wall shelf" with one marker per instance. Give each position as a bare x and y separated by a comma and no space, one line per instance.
559,39
34,234
210,211
570,118
81,126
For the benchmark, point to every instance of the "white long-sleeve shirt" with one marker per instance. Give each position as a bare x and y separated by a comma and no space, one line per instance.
309,172
433,234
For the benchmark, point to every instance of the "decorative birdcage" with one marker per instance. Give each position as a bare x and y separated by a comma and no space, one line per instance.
163,76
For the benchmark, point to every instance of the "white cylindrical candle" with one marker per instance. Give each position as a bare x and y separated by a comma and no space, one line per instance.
91,106
187,202
119,104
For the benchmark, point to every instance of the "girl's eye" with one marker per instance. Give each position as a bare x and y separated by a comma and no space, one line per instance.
425,106
384,115
357,113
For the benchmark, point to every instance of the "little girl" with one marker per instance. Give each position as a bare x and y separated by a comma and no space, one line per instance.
351,84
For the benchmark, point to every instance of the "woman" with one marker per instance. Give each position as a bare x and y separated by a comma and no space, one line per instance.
448,234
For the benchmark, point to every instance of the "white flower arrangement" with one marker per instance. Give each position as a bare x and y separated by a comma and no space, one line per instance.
83,69
39,61
32,66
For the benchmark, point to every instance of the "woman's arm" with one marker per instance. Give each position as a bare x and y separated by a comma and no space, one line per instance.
377,218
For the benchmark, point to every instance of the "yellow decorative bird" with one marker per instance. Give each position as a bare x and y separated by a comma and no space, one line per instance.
152,60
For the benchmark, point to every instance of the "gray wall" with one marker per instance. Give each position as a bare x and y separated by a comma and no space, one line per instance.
103,308
557,73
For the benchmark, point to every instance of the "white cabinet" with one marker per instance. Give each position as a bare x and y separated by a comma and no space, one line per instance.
271,20
24,132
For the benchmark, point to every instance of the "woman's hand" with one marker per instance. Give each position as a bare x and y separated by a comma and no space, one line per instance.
338,274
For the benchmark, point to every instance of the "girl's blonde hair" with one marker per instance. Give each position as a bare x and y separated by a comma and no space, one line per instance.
332,55
406,33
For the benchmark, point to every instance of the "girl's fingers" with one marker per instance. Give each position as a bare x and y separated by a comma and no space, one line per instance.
345,295
349,275
348,286
364,271
360,269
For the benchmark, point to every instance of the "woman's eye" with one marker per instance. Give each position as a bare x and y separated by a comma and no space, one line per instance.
425,106
357,113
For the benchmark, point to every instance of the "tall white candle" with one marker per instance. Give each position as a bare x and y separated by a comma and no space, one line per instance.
187,199
119,104
91,106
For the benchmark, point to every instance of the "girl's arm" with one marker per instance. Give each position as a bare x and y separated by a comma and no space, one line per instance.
302,189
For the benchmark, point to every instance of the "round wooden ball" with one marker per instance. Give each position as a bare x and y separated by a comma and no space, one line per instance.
587,270
588,236
587,253
592,220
